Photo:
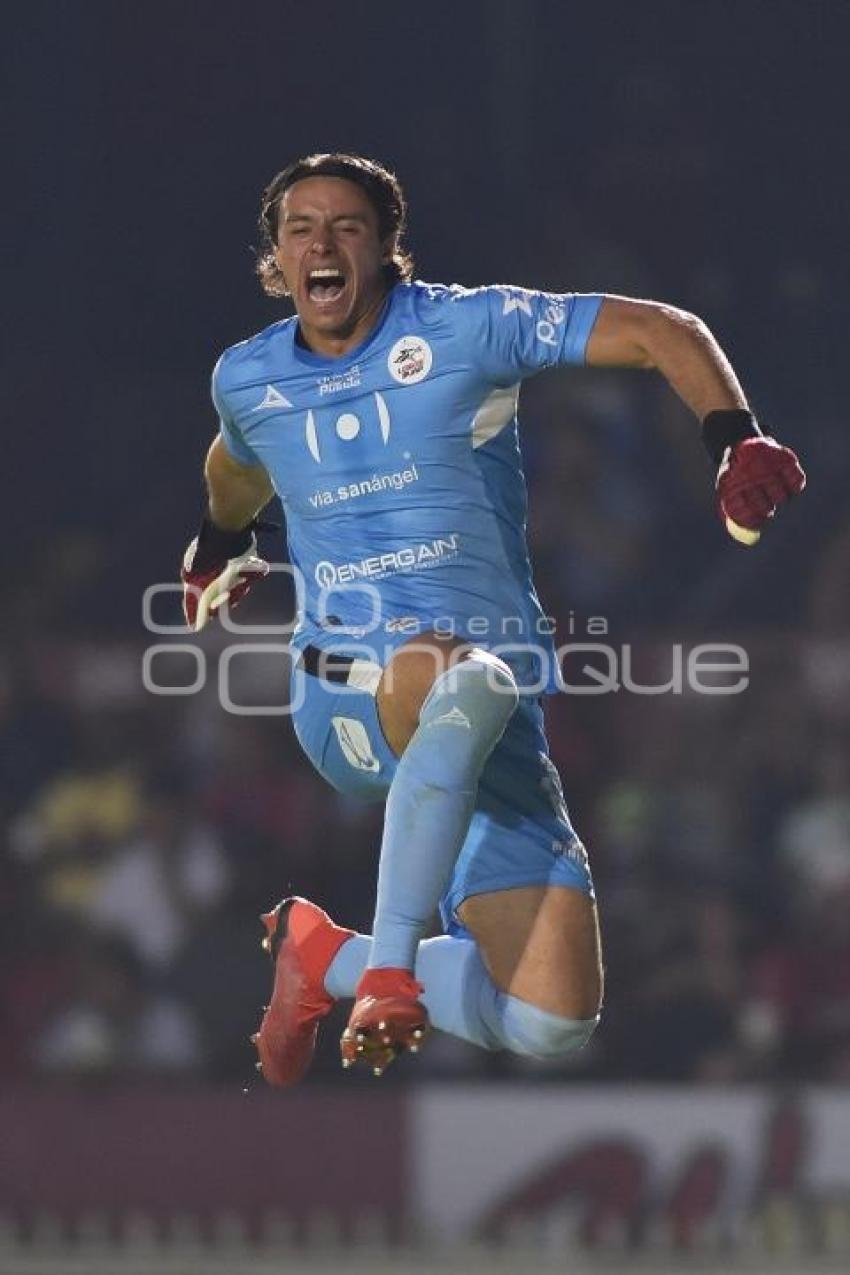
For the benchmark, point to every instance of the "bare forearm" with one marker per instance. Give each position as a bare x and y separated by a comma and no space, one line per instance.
685,352
232,508
677,344
236,493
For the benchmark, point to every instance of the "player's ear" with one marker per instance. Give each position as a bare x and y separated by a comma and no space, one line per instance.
388,249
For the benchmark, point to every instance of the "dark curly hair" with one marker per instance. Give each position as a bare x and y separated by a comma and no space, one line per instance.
385,194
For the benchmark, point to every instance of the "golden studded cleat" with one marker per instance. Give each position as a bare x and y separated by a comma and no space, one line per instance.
387,1019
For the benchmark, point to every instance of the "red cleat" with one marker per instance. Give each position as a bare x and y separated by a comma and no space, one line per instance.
387,1018
302,940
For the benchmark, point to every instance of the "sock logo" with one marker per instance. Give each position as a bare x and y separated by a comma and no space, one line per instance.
454,717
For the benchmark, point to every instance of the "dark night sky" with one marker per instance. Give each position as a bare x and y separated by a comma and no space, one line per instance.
605,146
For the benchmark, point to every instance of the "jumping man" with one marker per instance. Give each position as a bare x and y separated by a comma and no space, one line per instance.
383,413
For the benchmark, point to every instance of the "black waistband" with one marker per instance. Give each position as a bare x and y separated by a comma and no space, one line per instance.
329,665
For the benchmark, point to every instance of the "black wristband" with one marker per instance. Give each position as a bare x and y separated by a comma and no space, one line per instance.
216,546
725,428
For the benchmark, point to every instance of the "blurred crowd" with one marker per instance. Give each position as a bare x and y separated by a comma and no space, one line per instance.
143,834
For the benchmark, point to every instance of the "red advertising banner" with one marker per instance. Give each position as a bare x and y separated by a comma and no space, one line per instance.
631,1166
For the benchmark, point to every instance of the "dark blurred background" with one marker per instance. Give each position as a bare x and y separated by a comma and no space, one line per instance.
692,152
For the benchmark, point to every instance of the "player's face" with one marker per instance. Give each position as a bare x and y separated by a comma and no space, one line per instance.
331,256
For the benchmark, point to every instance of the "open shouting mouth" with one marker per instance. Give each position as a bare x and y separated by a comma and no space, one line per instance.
325,285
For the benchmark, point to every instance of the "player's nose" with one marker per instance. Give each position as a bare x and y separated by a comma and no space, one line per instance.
322,241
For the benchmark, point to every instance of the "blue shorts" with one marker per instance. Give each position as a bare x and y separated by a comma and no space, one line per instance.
520,832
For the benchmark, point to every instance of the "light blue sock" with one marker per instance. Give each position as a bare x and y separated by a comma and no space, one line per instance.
449,969
463,1000
431,800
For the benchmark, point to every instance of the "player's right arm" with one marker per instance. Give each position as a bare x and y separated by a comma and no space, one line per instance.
237,492
221,563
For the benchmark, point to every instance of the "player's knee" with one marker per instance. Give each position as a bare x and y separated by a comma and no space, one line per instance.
482,692
535,1033
463,718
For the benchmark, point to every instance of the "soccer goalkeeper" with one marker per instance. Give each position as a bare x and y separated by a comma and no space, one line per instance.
383,413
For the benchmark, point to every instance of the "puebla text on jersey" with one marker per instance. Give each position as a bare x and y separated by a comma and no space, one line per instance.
398,464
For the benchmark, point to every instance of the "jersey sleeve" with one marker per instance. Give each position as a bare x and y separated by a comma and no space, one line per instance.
229,431
518,331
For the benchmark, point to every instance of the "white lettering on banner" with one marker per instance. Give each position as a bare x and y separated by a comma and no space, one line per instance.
598,1157
421,557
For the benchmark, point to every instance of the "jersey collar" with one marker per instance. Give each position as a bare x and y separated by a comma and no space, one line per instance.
302,355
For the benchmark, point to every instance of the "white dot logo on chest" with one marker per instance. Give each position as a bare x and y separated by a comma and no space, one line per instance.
348,426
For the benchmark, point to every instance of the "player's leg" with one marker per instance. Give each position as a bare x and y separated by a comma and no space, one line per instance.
464,998
518,838
539,996
541,944
443,706
522,889
541,947
529,980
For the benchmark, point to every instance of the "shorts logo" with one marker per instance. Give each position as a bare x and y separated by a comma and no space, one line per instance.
402,624
574,851
355,744
410,360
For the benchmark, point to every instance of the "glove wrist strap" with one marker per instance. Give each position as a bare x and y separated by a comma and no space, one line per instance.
217,546
725,428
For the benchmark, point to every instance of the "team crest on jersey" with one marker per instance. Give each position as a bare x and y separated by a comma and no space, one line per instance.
410,360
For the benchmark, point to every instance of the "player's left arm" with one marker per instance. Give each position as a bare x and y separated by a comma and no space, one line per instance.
755,473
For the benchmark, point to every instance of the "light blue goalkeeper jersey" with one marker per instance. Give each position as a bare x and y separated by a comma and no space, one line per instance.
399,468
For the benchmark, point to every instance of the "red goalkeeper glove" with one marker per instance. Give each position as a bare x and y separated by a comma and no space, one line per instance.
755,474
219,566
